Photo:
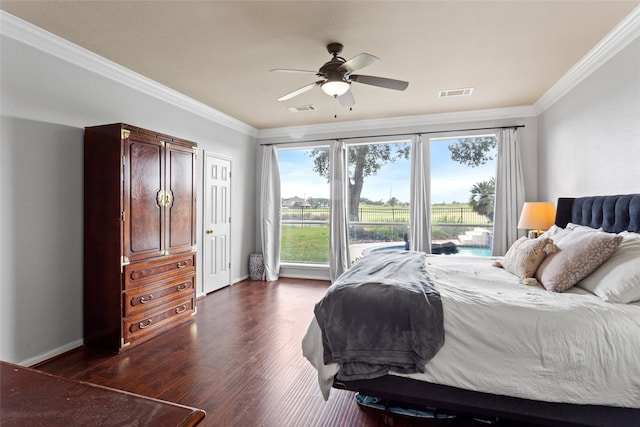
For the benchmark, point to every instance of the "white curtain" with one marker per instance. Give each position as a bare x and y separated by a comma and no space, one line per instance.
270,212
420,205
509,191
339,259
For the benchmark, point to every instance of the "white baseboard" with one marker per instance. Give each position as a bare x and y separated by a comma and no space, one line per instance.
305,271
51,353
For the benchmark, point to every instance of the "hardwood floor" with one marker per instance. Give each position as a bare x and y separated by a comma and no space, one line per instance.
240,360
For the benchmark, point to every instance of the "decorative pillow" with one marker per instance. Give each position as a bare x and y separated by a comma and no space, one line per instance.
618,279
580,252
525,255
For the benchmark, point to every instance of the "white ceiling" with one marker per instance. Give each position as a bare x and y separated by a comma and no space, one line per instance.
220,52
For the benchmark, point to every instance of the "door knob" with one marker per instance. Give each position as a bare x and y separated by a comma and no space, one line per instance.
209,231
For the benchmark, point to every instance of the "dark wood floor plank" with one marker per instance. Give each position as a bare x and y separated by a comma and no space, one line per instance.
240,359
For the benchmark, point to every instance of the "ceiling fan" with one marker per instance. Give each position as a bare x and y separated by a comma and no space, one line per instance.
337,76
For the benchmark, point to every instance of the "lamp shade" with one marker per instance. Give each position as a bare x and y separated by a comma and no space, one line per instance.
335,87
537,216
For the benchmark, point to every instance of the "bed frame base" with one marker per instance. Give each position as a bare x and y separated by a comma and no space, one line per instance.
476,403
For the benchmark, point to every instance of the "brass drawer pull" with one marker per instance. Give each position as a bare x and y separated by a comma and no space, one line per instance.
182,287
181,309
183,264
143,325
144,300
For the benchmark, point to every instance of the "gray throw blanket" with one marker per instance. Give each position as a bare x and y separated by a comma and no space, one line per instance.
381,315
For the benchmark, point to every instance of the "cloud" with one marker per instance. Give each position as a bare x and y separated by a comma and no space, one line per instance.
298,178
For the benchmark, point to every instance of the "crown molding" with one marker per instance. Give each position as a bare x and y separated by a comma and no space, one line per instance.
617,39
31,35
623,34
301,132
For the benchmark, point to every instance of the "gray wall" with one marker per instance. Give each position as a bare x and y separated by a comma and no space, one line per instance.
46,103
590,139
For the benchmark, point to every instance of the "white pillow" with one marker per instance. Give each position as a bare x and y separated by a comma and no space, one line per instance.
618,279
553,231
572,226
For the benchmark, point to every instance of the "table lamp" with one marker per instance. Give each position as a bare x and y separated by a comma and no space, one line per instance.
537,217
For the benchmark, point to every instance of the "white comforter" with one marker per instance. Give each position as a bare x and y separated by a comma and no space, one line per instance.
507,338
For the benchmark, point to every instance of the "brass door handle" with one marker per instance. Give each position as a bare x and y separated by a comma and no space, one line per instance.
209,231
164,198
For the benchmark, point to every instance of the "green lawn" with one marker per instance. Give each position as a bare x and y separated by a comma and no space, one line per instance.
310,243
305,244
450,213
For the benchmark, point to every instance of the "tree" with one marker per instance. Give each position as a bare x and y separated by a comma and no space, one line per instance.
482,196
364,160
392,201
474,151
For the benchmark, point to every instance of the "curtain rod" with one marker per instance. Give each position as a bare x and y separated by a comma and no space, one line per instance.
394,134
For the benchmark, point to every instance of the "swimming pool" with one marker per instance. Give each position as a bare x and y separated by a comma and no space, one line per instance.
462,250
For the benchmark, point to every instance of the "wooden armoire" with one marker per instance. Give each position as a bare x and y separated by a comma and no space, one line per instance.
139,234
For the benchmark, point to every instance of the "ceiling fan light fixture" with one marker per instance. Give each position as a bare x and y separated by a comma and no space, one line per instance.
335,87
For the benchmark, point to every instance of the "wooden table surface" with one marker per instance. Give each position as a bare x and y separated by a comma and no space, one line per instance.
33,398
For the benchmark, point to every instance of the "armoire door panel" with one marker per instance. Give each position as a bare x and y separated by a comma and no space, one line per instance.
143,181
181,210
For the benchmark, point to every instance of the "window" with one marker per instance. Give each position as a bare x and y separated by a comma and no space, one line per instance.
305,206
462,194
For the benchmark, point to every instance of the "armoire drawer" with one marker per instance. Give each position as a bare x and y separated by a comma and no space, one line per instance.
142,273
146,298
169,314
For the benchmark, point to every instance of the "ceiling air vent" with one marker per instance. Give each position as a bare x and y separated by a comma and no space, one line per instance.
456,92
301,108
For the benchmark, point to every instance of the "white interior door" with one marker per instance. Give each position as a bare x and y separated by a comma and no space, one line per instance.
216,224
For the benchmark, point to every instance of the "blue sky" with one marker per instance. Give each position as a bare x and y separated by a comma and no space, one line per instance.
450,181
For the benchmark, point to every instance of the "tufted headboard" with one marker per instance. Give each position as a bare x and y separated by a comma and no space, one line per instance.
613,213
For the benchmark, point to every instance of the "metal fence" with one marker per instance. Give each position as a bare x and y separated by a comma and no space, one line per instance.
386,214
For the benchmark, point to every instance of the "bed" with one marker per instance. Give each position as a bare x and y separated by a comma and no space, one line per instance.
514,349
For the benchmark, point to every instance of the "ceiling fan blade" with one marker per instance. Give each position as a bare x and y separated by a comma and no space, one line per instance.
347,99
379,81
297,92
288,70
359,61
